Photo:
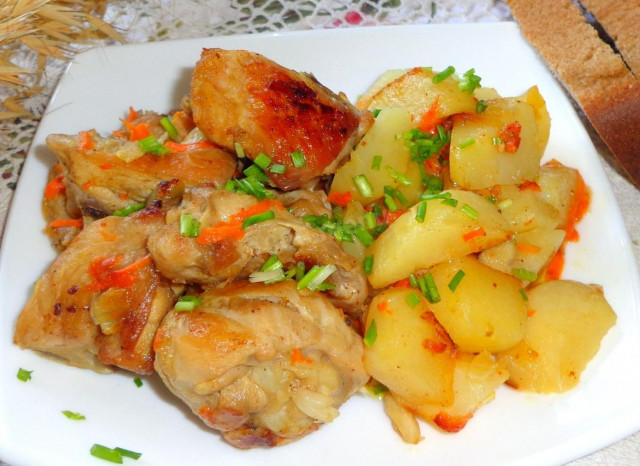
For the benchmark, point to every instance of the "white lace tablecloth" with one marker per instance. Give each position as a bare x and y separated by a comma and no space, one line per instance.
154,20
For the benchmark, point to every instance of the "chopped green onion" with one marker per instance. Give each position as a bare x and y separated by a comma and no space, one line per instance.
314,277
376,112
481,106
278,168
376,209
470,211
189,226
467,143
300,270
262,160
492,199
150,145
137,381
413,299
24,375
298,159
448,71
470,81
267,277
249,186
390,203
171,130
425,196
523,293
239,150
369,220
421,211
455,281
397,176
376,162
496,141
426,282
363,185
524,274
255,172
131,208
505,204
324,286
272,263
73,416
187,303
413,281
258,218
450,201
363,235
368,264
378,389
432,183
128,453
106,453
372,334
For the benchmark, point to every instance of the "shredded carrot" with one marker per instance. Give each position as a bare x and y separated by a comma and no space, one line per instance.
54,187
510,136
578,208
404,283
531,185
132,114
157,339
393,216
554,269
66,222
106,166
176,147
105,275
88,184
123,196
479,231
527,248
341,199
434,346
384,307
136,132
297,357
58,167
85,141
429,121
450,423
531,312
232,228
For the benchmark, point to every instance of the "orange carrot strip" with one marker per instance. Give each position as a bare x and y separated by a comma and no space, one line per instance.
404,283
510,136
106,166
474,233
104,276
176,147
54,187
531,312
532,185
384,307
341,199
434,346
430,121
136,132
393,216
527,248
132,114
297,357
88,184
577,210
85,141
554,269
66,222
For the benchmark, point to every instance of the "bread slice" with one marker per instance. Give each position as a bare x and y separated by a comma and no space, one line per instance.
591,71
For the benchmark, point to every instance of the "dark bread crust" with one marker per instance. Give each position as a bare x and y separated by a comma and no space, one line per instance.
592,72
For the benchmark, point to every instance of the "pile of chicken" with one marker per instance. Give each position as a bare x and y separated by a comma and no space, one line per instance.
264,363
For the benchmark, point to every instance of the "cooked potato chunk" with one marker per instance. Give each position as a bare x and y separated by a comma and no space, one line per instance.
381,141
485,311
416,92
447,232
475,382
526,209
500,146
566,324
411,355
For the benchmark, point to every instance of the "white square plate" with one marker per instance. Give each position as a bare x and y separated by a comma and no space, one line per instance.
516,428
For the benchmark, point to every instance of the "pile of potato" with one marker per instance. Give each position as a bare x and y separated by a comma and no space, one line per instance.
503,321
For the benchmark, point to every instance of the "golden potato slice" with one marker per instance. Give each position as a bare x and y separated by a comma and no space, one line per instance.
411,354
447,232
380,141
566,325
535,99
416,92
502,145
475,381
485,311
383,80
527,209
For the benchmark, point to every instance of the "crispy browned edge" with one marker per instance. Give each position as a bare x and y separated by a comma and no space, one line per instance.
621,20
592,72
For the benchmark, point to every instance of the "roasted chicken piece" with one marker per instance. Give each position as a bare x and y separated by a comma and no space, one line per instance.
263,364
239,98
100,302
109,174
225,251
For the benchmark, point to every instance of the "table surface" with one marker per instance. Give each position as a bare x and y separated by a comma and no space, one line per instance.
150,20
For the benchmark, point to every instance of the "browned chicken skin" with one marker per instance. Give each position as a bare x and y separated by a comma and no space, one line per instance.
184,259
239,97
264,364
101,301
